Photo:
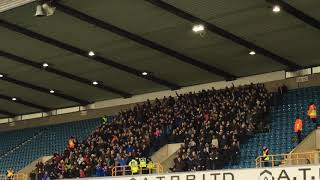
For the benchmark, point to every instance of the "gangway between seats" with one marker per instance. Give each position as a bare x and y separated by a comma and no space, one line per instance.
126,170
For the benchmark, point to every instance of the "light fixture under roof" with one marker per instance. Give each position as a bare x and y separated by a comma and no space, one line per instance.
91,53
144,73
14,99
44,65
95,83
51,91
1,75
276,8
198,28
252,53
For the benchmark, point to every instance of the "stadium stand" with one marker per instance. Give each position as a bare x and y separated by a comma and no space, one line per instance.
9,140
236,114
36,142
281,138
33,143
191,82
232,115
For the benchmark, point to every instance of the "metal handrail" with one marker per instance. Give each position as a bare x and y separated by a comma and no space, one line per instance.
126,170
311,157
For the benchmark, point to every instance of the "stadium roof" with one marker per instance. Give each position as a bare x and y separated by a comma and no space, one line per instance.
144,46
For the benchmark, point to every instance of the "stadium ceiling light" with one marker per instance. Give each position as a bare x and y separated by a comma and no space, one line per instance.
91,53
39,11
51,91
95,83
14,99
1,75
276,8
45,8
144,73
198,28
252,53
44,65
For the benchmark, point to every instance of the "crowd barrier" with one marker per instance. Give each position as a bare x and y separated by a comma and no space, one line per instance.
304,158
18,176
126,170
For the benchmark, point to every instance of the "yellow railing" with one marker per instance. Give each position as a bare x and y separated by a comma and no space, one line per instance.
126,170
289,159
18,176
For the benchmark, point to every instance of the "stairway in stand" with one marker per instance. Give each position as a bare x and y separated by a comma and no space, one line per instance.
281,137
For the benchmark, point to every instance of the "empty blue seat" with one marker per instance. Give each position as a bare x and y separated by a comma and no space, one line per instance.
50,140
283,113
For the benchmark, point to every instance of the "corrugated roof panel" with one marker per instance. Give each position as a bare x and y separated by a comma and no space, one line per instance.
10,4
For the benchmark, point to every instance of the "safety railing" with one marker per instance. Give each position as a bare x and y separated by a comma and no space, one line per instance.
126,170
289,159
18,176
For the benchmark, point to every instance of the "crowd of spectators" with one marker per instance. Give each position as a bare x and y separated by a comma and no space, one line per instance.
210,124
215,122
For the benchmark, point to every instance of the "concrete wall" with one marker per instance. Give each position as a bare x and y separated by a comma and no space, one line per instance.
313,80
58,119
30,167
309,148
164,152
310,143
166,155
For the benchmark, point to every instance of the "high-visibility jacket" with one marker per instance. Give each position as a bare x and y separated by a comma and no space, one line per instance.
143,162
150,165
10,174
312,111
298,125
104,119
265,154
71,143
134,166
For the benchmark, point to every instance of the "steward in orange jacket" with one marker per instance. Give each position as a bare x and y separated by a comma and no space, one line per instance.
72,143
298,128
312,112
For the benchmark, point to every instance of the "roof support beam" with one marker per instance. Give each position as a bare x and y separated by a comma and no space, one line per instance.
22,60
84,53
23,102
7,113
145,42
296,13
217,30
44,90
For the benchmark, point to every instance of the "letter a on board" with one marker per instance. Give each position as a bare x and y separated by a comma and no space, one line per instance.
283,175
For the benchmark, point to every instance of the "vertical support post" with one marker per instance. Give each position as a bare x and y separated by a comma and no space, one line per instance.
272,161
316,157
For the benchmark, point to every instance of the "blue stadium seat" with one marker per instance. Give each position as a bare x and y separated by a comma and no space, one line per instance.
52,139
283,113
